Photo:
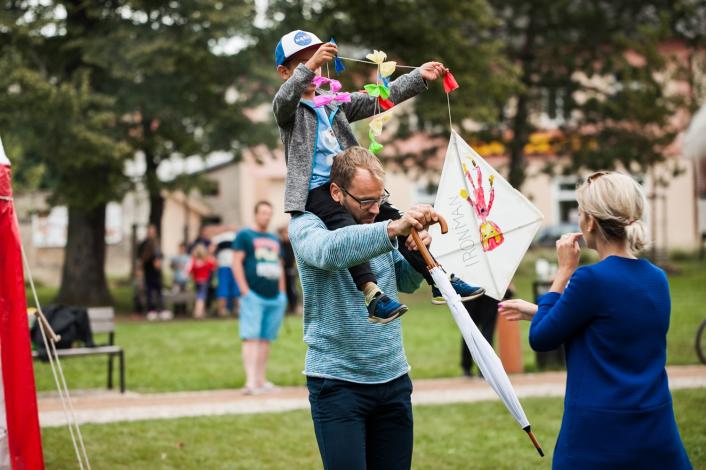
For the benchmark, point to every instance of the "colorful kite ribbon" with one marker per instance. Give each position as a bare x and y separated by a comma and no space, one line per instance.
333,95
381,91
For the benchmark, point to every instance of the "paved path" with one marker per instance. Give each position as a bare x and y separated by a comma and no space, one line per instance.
108,407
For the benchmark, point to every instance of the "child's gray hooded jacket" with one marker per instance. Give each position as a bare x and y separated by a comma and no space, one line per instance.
297,125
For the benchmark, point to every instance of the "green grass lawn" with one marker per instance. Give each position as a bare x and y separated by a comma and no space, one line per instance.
200,355
478,435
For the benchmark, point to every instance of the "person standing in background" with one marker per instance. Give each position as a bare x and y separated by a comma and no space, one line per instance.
201,268
201,239
484,313
290,271
258,270
150,255
178,264
227,290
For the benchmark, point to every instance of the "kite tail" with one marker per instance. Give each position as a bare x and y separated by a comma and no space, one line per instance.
528,430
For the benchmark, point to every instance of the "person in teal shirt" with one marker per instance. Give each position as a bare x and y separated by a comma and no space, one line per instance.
258,270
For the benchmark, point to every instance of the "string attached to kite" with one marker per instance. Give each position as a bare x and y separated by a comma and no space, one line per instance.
381,91
374,63
58,373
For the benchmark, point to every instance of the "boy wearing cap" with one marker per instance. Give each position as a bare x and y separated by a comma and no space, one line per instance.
313,136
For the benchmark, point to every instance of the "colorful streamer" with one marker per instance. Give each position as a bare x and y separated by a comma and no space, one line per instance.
333,95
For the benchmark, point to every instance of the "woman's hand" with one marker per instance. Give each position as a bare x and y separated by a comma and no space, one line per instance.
567,255
517,309
568,252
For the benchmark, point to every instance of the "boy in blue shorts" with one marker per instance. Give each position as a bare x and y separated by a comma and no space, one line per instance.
313,136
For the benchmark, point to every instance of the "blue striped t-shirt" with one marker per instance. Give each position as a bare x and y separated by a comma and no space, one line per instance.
342,343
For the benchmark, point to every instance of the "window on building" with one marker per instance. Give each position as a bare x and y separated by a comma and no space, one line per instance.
211,188
211,220
567,209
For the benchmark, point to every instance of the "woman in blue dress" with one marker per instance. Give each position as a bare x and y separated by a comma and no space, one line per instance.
612,318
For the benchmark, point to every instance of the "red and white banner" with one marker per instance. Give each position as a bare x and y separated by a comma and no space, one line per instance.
20,437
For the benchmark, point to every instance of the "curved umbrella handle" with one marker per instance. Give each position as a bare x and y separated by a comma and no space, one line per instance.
428,258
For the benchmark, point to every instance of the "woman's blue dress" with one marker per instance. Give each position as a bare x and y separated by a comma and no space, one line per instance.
613,319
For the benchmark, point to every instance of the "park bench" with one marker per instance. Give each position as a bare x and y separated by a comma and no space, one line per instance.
102,320
179,302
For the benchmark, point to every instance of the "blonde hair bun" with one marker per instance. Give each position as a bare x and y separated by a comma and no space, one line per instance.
617,202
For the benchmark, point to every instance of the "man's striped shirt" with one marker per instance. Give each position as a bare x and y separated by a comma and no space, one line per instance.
342,343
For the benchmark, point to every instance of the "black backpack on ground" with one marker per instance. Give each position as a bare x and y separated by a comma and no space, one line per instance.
70,323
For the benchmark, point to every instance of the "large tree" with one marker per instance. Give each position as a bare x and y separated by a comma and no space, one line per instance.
175,71
598,69
56,121
91,83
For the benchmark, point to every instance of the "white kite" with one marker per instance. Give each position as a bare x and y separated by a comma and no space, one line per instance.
491,224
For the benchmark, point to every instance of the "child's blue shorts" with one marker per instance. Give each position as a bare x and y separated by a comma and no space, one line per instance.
227,287
260,317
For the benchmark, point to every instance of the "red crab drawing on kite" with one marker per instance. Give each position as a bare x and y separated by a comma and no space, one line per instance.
491,236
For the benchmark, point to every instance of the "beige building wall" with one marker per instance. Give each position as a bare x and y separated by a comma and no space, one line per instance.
262,181
179,213
227,203
674,210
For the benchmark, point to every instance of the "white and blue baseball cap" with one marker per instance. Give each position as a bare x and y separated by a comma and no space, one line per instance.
293,42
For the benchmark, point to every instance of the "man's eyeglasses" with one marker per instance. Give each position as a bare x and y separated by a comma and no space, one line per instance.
368,203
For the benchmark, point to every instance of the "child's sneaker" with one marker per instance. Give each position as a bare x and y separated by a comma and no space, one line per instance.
466,291
383,309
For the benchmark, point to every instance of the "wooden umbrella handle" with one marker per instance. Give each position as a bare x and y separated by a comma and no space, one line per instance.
428,259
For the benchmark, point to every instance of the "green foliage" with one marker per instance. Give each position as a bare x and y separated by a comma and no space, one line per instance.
90,83
411,33
600,69
64,136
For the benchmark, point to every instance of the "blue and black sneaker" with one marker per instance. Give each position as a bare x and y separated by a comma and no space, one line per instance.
466,291
383,309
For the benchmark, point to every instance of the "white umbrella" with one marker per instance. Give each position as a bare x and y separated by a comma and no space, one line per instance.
483,354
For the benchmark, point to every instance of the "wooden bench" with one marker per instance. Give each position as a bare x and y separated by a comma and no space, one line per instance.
172,300
102,320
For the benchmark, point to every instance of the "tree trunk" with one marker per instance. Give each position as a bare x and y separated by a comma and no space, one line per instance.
520,123
156,210
83,280
154,188
520,136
